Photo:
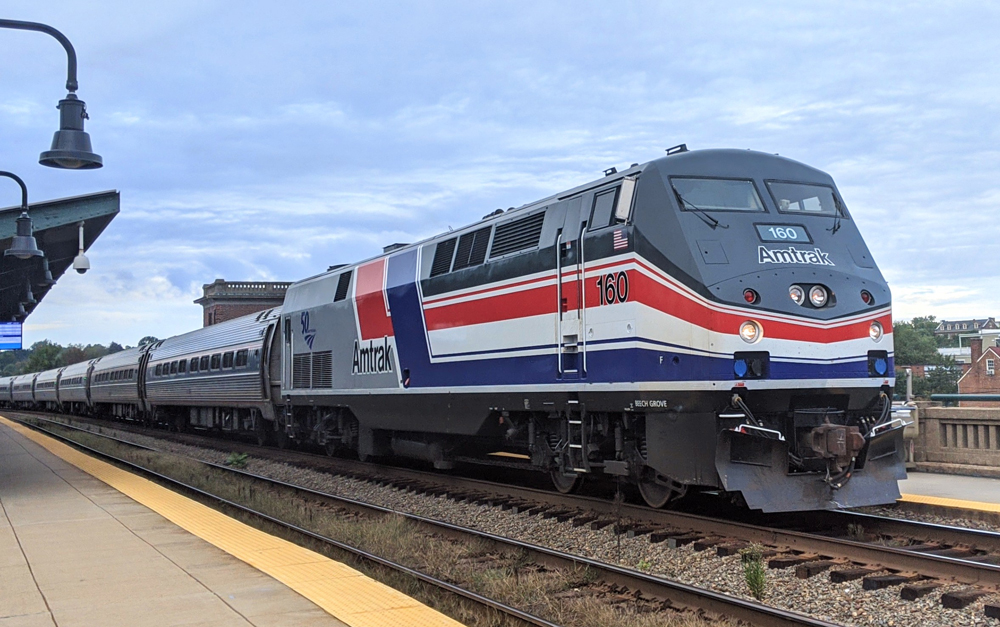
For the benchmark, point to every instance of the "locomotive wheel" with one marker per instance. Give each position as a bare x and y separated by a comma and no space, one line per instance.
655,493
565,484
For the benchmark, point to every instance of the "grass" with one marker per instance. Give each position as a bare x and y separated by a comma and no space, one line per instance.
754,570
570,597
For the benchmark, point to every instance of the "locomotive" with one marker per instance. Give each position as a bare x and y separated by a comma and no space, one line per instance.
710,319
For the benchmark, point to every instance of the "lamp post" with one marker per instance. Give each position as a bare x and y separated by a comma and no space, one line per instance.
71,149
23,245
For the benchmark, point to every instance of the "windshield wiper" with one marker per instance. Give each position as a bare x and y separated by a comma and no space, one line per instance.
698,211
836,216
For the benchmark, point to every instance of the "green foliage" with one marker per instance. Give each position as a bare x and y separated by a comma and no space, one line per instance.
149,339
754,570
236,460
915,344
45,355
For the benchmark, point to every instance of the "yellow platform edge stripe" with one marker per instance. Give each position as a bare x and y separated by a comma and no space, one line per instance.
941,501
340,590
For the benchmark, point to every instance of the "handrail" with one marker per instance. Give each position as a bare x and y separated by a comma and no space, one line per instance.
559,312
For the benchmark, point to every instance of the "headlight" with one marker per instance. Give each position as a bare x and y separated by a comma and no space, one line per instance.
751,332
798,294
818,295
875,330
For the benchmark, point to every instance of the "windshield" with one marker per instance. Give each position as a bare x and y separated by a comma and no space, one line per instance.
804,199
716,194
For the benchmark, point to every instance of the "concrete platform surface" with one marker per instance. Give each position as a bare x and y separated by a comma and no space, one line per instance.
75,551
949,490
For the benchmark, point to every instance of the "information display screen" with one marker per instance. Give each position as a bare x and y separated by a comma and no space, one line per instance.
10,336
783,233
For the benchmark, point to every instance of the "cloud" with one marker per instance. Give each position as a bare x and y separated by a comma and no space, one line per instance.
273,141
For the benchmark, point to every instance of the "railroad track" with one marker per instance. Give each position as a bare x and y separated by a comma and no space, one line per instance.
882,551
676,594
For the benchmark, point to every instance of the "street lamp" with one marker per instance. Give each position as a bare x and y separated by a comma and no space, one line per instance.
23,244
71,148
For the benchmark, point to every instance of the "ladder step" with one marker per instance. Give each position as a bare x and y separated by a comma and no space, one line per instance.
576,422
576,446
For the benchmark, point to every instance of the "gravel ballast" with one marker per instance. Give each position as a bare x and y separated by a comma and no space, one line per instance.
846,603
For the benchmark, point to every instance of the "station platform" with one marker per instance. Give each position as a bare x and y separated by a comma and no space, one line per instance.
84,543
950,490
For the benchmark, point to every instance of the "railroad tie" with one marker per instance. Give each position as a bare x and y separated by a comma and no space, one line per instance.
731,548
811,569
791,560
878,582
707,543
912,592
850,574
992,610
961,598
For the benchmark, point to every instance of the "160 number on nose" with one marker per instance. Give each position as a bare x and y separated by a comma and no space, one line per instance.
613,288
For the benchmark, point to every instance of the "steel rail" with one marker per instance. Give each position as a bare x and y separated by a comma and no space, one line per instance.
360,553
677,593
891,558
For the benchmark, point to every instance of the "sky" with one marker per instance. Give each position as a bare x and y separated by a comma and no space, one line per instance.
266,141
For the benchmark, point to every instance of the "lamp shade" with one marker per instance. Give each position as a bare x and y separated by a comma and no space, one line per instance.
71,149
23,245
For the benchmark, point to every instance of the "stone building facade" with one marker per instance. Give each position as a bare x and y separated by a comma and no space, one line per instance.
224,300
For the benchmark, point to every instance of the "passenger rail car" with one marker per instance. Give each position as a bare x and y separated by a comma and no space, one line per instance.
115,386
215,377
710,319
74,387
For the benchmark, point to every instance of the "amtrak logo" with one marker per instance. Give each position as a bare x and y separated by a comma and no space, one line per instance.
373,358
308,333
814,257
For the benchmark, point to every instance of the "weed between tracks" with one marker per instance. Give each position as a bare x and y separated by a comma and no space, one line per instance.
567,597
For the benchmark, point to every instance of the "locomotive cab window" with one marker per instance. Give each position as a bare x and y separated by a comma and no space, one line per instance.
216,361
241,358
805,199
203,366
702,194
603,209
227,360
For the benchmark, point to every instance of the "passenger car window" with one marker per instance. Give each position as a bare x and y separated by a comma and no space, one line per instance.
182,366
159,369
194,364
241,358
227,360
216,361
173,367
204,363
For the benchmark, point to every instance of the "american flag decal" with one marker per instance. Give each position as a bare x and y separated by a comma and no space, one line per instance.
621,240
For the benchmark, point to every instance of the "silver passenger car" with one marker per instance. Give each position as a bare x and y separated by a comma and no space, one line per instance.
23,393
115,387
45,389
73,388
5,390
214,377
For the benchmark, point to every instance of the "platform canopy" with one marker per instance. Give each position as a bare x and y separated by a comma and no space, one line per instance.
57,225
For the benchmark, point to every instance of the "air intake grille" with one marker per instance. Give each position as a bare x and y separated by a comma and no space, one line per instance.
472,248
301,371
442,257
322,370
342,284
516,235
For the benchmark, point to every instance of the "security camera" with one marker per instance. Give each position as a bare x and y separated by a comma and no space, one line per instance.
81,264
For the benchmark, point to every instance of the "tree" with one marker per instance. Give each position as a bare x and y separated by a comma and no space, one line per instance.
149,339
114,347
44,356
914,344
72,354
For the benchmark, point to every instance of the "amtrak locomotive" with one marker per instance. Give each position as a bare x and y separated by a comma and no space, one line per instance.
711,319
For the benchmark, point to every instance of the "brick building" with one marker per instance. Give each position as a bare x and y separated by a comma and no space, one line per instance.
952,328
981,378
224,300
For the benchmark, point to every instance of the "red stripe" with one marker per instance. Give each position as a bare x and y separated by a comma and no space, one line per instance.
373,318
643,289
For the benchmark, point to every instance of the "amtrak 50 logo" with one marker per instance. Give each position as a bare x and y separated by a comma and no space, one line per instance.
814,257
373,358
